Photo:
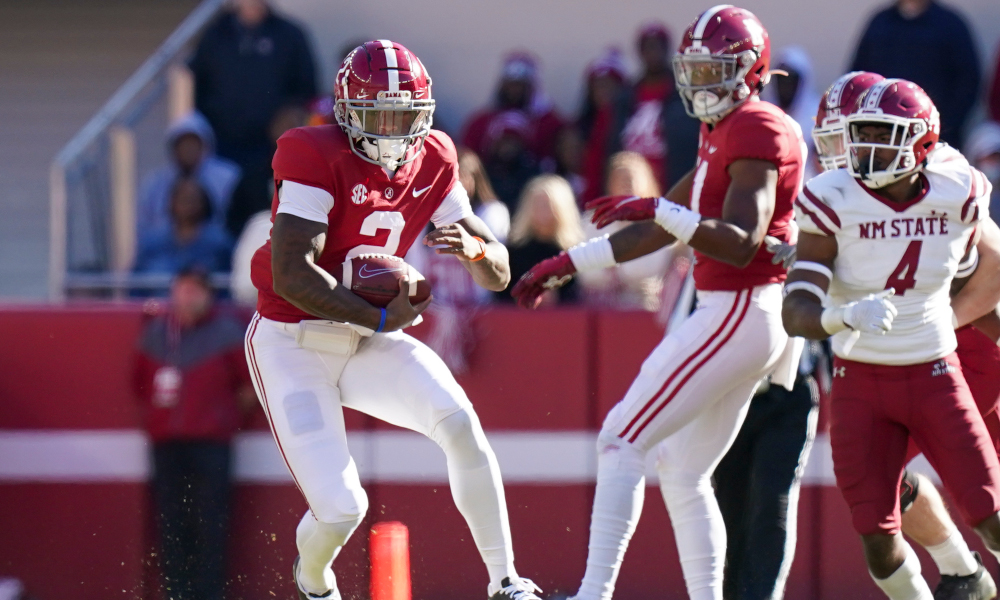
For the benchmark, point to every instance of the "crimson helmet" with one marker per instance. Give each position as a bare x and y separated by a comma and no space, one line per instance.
383,102
836,104
723,59
914,128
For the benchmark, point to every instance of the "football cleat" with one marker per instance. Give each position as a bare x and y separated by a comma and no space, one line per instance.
978,586
304,595
518,589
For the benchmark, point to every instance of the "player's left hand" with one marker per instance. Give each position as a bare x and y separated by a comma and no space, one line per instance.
550,274
454,239
608,209
783,253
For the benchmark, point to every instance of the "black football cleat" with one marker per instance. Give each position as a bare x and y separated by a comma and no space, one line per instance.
304,595
978,586
519,589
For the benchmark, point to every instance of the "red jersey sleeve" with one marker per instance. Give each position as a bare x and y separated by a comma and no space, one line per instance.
761,135
298,158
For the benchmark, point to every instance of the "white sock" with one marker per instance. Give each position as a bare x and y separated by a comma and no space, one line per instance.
906,582
621,486
953,557
318,544
699,530
474,476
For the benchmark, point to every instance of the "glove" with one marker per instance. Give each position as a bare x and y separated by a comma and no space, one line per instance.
551,273
783,253
872,314
608,209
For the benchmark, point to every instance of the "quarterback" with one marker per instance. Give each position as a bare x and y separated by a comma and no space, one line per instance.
369,184
885,237
694,389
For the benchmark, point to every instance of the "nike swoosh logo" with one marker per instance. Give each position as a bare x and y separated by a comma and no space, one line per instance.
365,273
417,193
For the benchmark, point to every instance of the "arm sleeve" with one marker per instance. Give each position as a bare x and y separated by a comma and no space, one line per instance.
761,136
307,202
453,208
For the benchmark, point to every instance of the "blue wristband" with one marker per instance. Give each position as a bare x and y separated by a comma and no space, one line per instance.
381,322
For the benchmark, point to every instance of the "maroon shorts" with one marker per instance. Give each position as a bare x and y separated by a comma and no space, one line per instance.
980,359
875,409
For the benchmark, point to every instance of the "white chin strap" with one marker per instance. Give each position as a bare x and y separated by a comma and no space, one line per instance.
387,152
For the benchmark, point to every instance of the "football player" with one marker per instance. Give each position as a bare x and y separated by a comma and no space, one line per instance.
924,517
885,237
369,184
694,389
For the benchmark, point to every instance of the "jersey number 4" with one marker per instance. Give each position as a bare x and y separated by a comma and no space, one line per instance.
904,276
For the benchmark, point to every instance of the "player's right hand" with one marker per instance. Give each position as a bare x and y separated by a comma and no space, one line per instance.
550,274
872,314
399,313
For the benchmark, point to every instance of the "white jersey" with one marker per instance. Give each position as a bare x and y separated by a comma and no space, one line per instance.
914,248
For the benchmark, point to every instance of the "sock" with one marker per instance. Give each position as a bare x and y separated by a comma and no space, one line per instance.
906,582
474,477
319,543
621,486
953,557
699,530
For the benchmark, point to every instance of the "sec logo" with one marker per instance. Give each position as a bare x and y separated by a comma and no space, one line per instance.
359,194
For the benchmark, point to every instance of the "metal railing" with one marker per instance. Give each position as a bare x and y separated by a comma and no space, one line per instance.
93,180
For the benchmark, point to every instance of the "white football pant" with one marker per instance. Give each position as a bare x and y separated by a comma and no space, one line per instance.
394,378
692,394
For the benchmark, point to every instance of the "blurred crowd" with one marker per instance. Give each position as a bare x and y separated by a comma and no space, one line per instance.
527,167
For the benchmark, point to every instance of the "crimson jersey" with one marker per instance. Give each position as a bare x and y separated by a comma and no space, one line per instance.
754,130
371,213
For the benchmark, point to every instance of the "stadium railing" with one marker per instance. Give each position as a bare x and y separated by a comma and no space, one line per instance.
94,178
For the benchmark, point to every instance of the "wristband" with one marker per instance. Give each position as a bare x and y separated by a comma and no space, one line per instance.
815,267
592,255
482,244
832,320
679,221
805,286
381,321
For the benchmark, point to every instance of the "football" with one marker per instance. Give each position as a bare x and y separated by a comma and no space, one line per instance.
375,277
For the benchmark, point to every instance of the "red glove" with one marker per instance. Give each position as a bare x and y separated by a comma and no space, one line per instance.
608,209
550,274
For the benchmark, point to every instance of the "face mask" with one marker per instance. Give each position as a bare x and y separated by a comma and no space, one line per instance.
388,152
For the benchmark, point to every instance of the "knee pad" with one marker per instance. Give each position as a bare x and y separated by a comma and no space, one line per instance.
908,490
460,435
345,505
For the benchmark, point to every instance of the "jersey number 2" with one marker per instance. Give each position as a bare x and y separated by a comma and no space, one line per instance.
904,276
382,219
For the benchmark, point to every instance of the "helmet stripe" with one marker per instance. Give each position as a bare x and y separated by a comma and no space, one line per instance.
699,29
392,64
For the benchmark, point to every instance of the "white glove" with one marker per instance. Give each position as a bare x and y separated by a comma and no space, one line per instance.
872,314
783,253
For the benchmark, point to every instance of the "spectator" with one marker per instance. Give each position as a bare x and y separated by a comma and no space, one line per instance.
642,104
547,222
635,284
256,188
983,151
250,63
321,109
519,90
191,237
605,79
484,200
567,162
509,160
795,94
255,233
682,133
191,153
929,44
192,380
993,103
